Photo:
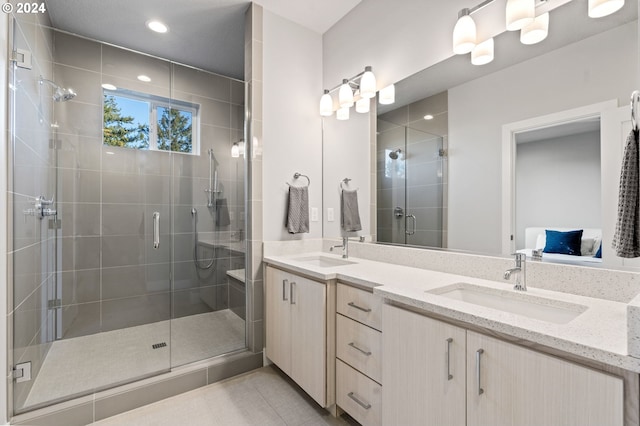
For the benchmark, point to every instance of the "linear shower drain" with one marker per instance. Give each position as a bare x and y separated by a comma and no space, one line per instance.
159,345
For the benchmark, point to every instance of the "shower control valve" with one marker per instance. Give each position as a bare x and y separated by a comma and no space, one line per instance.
38,210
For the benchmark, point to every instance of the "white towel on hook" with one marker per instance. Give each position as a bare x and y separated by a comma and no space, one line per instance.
626,240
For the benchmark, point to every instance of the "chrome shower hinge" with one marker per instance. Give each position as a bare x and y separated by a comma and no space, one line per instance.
22,372
22,58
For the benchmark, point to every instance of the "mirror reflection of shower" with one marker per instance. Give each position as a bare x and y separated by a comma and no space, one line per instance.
60,94
394,155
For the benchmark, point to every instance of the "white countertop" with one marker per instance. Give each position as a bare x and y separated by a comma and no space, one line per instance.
599,333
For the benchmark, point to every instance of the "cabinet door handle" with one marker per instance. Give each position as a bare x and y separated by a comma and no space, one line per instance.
292,301
353,305
360,403
449,375
479,353
353,345
284,289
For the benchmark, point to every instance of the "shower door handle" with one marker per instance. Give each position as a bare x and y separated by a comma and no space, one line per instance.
415,223
156,230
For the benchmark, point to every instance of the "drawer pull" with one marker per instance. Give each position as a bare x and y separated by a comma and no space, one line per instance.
449,375
284,292
479,352
353,305
353,345
360,403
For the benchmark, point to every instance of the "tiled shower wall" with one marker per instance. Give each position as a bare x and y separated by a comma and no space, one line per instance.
31,243
110,276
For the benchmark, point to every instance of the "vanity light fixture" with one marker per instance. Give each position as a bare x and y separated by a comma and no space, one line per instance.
483,53
600,8
358,89
157,26
326,104
536,31
520,13
345,95
387,95
362,105
464,33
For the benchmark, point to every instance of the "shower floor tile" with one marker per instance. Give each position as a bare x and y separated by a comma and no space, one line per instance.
262,397
83,364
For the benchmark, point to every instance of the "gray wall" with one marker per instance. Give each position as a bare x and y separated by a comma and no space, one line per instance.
558,183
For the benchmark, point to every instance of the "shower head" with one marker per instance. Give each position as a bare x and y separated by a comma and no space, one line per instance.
60,94
395,154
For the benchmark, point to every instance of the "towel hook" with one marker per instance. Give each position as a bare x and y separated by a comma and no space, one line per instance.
345,182
297,175
635,100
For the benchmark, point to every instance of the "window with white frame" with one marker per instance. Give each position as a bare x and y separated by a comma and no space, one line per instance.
142,121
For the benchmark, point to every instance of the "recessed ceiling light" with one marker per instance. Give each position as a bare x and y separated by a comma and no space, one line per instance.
144,78
157,26
428,117
108,86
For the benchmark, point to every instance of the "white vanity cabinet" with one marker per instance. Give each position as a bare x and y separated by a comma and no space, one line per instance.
359,354
424,370
426,377
509,384
296,330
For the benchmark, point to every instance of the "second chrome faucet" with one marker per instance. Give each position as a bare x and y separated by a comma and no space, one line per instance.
520,271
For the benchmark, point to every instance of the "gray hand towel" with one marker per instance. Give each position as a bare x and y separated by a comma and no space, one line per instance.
350,216
222,213
626,240
298,210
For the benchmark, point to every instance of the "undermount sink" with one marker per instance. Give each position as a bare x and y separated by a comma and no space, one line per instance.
324,261
518,303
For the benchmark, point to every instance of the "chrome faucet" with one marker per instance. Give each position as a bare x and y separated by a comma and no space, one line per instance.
520,271
344,246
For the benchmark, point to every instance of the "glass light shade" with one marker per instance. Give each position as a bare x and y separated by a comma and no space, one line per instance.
345,95
235,151
387,95
342,113
520,13
368,84
482,53
362,105
464,34
600,8
536,31
326,104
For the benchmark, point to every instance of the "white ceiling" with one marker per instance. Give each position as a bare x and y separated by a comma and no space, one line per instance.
207,34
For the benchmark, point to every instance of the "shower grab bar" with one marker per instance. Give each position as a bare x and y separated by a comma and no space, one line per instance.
156,230
415,224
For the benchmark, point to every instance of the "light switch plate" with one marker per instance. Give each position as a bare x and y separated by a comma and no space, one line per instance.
330,214
314,214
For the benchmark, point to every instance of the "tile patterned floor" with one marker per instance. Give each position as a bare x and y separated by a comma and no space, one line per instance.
262,397
81,364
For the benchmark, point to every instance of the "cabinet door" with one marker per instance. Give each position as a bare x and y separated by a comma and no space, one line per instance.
308,336
423,373
518,386
278,318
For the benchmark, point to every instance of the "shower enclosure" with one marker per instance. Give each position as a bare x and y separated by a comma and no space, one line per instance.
127,218
411,186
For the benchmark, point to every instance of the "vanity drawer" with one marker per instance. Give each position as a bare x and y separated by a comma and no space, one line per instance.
358,395
359,346
361,305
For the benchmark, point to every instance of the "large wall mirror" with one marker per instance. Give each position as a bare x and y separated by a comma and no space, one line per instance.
467,190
